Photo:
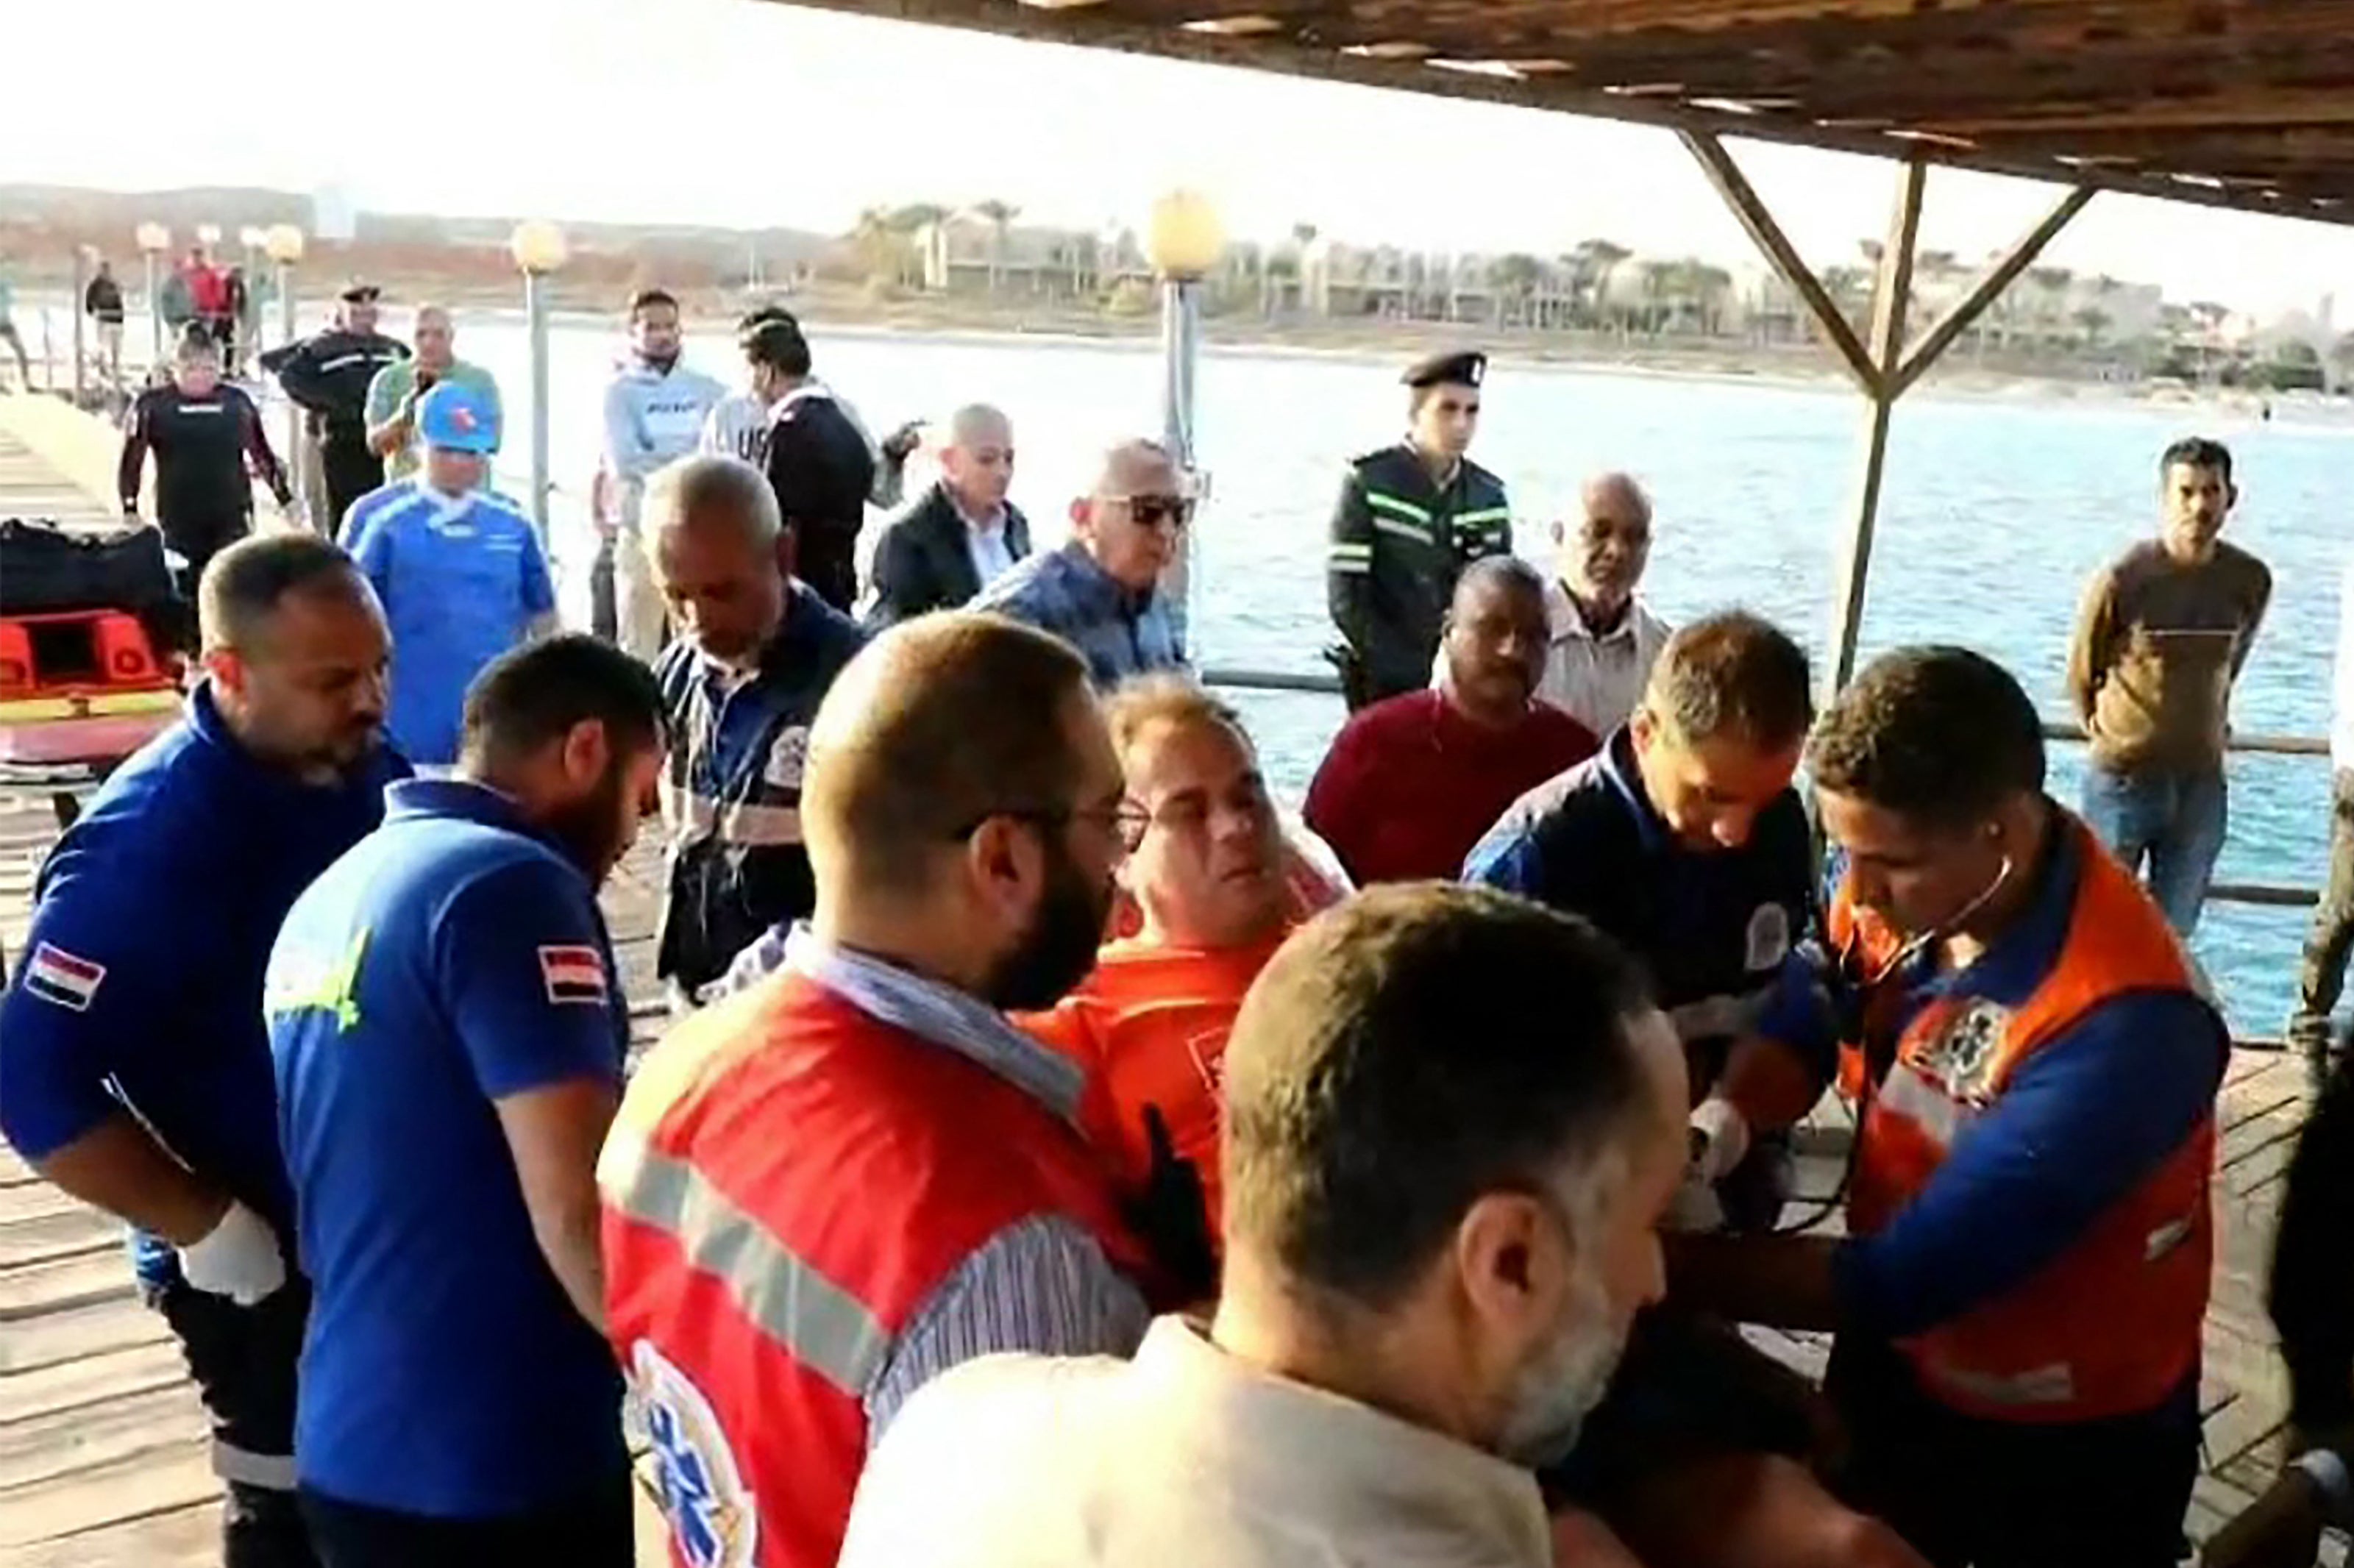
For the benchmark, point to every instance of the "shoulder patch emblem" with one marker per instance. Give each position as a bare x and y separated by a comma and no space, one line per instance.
573,974
715,1522
787,757
1770,936
62,979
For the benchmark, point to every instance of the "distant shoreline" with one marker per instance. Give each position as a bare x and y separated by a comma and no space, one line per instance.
832,311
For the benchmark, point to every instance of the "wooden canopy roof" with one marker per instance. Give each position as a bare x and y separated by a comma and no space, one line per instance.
2242,103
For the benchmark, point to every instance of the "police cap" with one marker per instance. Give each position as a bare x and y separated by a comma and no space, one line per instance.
1464,369
360,292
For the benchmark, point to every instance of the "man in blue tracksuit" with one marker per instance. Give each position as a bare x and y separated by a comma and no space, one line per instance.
134,1073
459,568
758,651
448,1026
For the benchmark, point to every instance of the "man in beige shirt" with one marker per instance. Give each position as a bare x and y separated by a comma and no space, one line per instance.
2162,636
1453,1122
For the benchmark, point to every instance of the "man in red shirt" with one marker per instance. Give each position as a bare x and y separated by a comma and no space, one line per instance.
1206,868
1412,783
836,1185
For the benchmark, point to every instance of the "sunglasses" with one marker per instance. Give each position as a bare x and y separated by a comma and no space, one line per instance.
1152,511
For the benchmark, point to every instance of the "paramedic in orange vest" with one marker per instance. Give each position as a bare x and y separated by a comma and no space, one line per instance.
857,1175
2018,1300
1149,1025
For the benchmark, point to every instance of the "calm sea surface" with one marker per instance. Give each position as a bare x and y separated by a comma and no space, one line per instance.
1994,513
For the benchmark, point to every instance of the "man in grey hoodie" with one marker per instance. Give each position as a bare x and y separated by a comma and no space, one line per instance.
654,409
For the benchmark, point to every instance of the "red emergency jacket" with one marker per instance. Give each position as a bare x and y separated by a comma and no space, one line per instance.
788,1180
2112,1327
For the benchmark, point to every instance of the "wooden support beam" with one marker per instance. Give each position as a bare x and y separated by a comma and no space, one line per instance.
1742,199
2017,259
1892,297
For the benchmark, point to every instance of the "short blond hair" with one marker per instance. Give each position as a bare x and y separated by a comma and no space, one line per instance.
1166,699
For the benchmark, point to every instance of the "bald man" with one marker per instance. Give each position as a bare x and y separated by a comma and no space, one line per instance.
961,534
393,396
1603,639
756,654
1100,593
904,1164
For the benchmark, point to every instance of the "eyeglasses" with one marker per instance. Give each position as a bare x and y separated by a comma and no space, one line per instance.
1151,510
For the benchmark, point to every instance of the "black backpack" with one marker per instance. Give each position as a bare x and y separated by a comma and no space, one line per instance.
44,570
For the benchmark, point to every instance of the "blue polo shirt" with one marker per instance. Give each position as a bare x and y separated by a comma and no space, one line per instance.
461,578
450,960
2081,1123
139,984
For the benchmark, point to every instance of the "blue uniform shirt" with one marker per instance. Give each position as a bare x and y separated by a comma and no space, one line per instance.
1722,931
461,578
2082,1122
450,960
140,981
1121,633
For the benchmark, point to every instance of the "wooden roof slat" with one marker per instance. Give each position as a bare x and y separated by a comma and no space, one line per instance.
2002,86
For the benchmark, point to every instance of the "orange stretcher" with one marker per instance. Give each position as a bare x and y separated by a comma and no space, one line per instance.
80,691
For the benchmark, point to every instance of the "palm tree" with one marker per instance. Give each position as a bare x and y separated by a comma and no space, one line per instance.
2095,321
1590,265
905,223
877,245
1515,278
1000,215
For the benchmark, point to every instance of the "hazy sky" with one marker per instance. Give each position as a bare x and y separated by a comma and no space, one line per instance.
742,111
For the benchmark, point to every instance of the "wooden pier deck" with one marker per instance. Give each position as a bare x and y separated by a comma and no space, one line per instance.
103,1461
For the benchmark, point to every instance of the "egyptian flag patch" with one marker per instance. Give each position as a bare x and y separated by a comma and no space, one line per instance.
573,974
58,976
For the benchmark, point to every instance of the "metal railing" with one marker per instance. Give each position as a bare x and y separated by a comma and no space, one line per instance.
2270,895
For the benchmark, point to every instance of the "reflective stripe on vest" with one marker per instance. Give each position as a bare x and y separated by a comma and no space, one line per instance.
1401,531
1351,556
1485,514
817,1322
1397,506
692,817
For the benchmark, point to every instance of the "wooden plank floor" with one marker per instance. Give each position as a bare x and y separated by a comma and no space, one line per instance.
102,1459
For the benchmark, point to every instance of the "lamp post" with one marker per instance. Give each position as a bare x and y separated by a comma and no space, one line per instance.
153,241
1183,242
282,243
538,249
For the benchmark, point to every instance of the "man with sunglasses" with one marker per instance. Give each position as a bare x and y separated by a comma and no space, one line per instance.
1101,592
857,1174
1410,517
2019,1296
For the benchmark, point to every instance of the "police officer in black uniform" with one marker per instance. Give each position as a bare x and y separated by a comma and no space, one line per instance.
1411,516
327,375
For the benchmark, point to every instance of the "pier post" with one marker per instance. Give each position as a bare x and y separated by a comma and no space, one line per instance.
1183,243
153,241
538,249
81,284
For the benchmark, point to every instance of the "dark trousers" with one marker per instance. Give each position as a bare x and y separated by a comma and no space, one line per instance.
2323,980
594,1529
826,559
198,540
243,1358
1967,1493
351,470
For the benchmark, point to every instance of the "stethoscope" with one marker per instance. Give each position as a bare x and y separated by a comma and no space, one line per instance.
1850,1007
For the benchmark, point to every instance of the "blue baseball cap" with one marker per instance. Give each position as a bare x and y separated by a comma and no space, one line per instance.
457,419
